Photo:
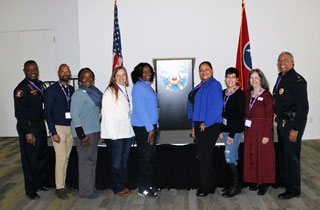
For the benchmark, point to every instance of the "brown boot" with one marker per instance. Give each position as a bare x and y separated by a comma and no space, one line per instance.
60,193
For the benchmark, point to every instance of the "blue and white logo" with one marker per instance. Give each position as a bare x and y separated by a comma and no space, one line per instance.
247,56
174,79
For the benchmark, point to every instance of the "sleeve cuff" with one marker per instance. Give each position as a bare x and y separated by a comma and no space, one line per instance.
149,128
80,132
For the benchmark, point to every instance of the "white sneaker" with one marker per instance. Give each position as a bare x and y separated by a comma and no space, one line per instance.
147,193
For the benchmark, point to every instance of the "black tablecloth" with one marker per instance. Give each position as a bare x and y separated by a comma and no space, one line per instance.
176,167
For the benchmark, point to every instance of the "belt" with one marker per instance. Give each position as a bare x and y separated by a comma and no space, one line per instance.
287,116
35,122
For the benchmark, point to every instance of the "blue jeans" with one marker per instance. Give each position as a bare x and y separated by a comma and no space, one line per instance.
231,151
119,153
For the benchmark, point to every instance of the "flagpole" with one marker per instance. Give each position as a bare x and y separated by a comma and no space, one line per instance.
241,46
117,49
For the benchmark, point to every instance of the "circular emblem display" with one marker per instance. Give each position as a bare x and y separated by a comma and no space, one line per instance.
174,79
281,91
247,56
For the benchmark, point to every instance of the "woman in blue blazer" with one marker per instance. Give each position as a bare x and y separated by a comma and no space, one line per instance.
205,104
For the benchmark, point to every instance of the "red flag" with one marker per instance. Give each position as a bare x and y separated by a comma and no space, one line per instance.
244,64
117,54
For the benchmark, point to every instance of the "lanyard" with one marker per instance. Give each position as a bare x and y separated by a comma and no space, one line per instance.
149,86
197,87
125,95
253,101
66,94
225,100
278,81
35,86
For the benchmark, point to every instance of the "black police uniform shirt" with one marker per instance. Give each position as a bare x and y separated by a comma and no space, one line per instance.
28,104
291,95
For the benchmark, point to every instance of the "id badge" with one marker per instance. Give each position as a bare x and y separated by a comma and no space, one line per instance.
260,99
248,123
68,115
224,121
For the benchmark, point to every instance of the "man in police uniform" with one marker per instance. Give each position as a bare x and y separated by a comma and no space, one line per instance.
29,111
291,109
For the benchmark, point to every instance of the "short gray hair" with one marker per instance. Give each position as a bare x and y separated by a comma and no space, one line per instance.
287,53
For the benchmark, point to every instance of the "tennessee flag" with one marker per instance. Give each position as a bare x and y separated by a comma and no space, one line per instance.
117,54
244,64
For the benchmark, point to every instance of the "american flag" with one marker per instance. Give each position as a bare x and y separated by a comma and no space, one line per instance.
117,54
244,64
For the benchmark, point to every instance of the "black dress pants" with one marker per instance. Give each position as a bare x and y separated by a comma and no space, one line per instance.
34,158
145,157
206,141
289,157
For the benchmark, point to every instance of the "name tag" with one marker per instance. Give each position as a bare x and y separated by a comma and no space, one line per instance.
224,121
248,123
68,115
260,99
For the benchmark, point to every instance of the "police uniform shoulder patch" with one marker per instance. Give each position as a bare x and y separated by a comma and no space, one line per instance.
19,93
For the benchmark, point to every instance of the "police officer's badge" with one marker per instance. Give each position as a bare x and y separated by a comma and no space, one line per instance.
281,91
174,79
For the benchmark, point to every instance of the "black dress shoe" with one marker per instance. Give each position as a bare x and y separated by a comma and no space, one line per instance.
33,196
254,187
201,194
288,195
61,194
263,189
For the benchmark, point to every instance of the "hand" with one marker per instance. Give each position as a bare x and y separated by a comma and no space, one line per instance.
229,140
202,127
220,136
31,139
293,135
56,138
151,136
85,141
265,140
193,134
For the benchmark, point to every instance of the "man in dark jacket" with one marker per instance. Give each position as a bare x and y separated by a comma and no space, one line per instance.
29,111
291,109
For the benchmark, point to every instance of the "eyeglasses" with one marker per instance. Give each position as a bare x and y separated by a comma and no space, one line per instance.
286,60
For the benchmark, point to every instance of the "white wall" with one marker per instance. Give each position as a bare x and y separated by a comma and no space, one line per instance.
28,15
207,30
